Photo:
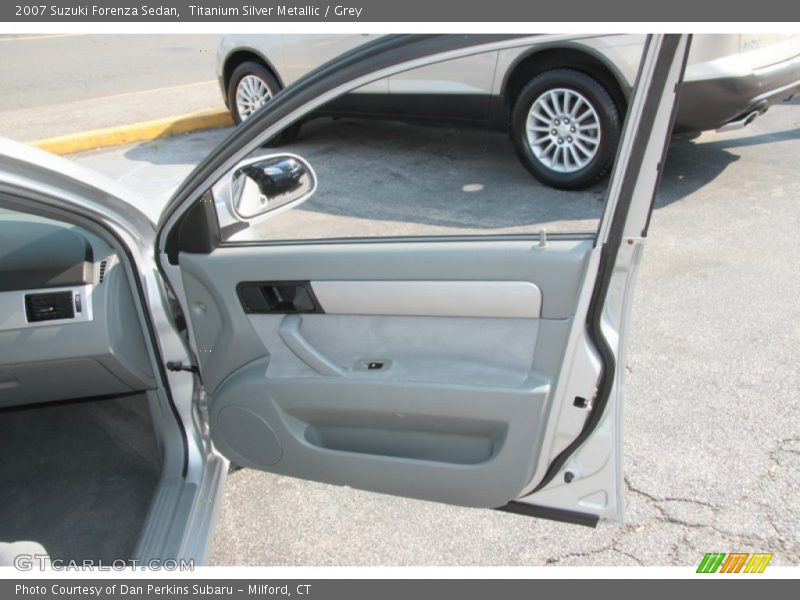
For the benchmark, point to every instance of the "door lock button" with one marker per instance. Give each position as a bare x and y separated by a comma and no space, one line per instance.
372,364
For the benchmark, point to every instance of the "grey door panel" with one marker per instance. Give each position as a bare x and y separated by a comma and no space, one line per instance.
227,341
430,377
447,443
482,351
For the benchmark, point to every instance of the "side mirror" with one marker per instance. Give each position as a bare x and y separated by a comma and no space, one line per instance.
268,183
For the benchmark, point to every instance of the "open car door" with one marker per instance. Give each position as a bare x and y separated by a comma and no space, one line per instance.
476,370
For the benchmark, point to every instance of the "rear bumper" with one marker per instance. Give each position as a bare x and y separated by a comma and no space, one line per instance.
711,103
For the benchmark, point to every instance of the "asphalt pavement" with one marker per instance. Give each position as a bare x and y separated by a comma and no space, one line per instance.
59,84
712,430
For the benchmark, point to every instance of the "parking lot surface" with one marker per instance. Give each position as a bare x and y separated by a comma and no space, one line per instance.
712,430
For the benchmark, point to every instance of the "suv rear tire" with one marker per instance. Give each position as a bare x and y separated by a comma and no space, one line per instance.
565,127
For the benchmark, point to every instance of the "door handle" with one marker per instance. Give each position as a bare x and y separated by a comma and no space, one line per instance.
289,330
278,297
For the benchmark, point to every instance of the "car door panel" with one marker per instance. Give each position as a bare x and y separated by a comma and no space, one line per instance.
427,349
392,437
471,75
385,377
463,333
303,52
456,89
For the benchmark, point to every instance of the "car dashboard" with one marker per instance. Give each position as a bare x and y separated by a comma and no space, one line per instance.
69,327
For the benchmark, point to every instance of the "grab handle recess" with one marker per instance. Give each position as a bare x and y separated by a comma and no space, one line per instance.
289,330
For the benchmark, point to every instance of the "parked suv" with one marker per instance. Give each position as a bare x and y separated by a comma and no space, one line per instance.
561,104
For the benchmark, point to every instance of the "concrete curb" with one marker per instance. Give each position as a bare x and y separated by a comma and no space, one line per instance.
135,132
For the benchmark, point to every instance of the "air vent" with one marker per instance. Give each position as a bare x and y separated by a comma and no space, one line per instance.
102,275
48,307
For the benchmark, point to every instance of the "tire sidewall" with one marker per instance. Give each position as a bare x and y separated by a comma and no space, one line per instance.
249,68
607,113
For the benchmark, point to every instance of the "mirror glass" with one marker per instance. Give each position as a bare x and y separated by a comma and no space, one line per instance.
265,184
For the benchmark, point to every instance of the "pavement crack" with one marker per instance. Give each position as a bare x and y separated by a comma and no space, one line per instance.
613,546
675,548
558,559
628,554
665,517
655,500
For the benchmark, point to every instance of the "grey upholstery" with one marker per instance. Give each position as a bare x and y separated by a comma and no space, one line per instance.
78,477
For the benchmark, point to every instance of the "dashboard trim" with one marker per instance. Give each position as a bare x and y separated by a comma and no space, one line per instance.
12,307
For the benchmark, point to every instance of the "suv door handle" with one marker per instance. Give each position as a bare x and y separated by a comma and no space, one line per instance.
289,330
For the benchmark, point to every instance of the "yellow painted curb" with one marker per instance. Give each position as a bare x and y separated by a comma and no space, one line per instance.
136,132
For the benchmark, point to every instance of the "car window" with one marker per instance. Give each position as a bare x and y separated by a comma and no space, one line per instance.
443,157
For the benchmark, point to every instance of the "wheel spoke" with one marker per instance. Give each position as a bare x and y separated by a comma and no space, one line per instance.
586,151
575,157
578,104
543,105
560,158
554,103
554,158
568,96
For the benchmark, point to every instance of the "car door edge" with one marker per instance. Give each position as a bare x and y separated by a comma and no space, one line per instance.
639,169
